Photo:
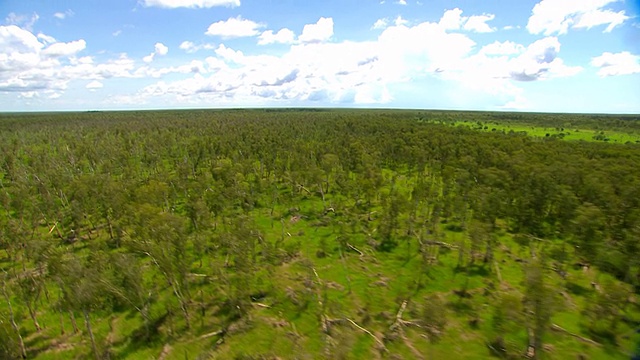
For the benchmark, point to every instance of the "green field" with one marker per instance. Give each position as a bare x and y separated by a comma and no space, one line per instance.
319,233
574,134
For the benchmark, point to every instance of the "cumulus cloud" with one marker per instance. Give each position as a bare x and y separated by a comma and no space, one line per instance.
225,53
234,28
65,49
502,48
94,85
16,40
558,16
39,65
190,47
478,23
194,67
312,69
622,63
46,38
172,4
315,70
401,2
453,20
159,49
540,60
319,32
380,24
148,58
283,36
399,21
497,69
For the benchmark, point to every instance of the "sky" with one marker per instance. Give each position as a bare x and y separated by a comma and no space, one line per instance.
578,56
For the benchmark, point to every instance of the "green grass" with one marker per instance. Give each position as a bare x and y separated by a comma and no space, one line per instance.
573,133
378,283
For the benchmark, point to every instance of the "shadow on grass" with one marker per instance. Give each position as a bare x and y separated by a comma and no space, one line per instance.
472,270
577,289
40,343
143,337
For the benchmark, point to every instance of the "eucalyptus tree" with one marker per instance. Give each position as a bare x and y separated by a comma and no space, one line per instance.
162,237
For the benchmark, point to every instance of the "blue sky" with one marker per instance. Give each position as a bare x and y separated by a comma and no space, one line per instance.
525,55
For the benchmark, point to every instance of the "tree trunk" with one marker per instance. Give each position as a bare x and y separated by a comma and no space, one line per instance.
73,322
14,325
61,323
87,323
33,315
183,305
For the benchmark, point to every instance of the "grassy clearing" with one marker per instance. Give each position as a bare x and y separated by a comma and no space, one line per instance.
573,133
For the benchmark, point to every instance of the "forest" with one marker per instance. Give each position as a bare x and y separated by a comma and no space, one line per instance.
319,233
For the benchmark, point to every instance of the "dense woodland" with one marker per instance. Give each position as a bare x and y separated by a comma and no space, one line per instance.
264,234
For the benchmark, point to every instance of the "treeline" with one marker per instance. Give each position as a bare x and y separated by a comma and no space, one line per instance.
108,212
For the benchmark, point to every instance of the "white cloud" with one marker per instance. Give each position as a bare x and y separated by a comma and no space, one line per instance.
283,36
46,38
313,69
195,67
558,16
518,103
401,2
24,21
148,58
159,49
16,40
64,15
318,32
34,66
541,61
229,54
380,24
453,20
478,23
622,63
502,48
65,49
172,4
190,47
94,85
234,27
595,18
399,21
496,69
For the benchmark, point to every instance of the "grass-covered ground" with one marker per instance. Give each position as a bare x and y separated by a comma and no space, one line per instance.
574,134
368,288
305,235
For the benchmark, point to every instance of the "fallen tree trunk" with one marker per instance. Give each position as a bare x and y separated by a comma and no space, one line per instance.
557,328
